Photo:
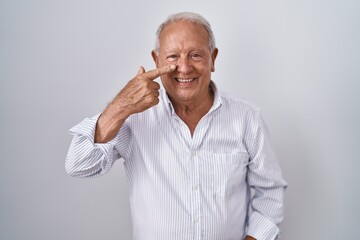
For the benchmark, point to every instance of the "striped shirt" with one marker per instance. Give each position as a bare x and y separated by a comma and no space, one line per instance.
222,183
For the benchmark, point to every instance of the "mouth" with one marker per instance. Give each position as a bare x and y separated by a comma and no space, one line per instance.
184,80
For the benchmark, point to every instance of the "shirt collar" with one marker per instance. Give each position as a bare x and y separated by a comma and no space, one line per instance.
216,104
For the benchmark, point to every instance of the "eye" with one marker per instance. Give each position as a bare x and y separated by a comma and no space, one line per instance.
172,57
196,56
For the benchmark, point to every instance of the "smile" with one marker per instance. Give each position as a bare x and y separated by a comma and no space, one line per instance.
184,80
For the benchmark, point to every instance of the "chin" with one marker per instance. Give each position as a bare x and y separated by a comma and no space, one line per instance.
184,97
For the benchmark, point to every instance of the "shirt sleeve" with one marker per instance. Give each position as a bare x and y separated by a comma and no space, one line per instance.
265,178
85,158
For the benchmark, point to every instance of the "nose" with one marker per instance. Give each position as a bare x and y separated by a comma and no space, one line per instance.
184,65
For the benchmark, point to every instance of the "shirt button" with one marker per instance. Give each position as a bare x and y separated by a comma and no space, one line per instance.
193,153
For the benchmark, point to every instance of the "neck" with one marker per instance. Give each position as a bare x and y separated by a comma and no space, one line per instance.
199,106
192,111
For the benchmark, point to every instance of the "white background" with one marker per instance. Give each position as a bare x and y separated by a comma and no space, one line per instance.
61,61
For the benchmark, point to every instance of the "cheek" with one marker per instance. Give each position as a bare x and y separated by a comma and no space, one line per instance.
166,78
204,69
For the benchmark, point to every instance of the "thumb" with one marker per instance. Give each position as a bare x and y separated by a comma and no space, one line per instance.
141,70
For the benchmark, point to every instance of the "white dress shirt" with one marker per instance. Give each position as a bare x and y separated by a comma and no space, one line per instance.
222,183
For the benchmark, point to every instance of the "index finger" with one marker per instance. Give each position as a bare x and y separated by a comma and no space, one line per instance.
157,72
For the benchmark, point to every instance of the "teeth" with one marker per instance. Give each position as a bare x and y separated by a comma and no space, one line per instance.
185,80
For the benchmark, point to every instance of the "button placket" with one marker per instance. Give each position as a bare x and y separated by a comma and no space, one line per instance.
196,194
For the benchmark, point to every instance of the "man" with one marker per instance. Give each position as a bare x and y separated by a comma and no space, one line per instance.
191,154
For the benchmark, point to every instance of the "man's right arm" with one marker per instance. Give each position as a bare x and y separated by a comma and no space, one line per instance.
86,158
92,150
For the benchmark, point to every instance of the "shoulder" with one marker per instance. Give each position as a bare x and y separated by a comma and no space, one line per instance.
235,104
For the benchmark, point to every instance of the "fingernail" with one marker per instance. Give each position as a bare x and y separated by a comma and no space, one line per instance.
172,67
141,70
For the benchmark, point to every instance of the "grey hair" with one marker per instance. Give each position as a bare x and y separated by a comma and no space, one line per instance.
190,17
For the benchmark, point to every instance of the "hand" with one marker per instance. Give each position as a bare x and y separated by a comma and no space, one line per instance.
139,94
249,238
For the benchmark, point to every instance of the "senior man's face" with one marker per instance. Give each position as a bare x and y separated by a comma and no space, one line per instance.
186,45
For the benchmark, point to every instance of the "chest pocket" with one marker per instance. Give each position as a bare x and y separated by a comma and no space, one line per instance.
221,174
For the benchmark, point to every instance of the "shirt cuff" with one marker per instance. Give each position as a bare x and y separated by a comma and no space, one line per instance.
87,129
262,228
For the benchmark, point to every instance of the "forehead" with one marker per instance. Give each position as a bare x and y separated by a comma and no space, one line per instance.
183,34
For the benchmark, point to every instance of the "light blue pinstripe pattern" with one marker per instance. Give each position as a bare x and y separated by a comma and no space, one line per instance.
184,187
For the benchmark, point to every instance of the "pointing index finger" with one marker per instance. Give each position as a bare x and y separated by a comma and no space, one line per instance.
155,73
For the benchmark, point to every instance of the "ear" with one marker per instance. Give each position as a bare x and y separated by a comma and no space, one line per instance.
155,57
213,58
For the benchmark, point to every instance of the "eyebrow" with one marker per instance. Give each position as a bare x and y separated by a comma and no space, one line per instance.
173,50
